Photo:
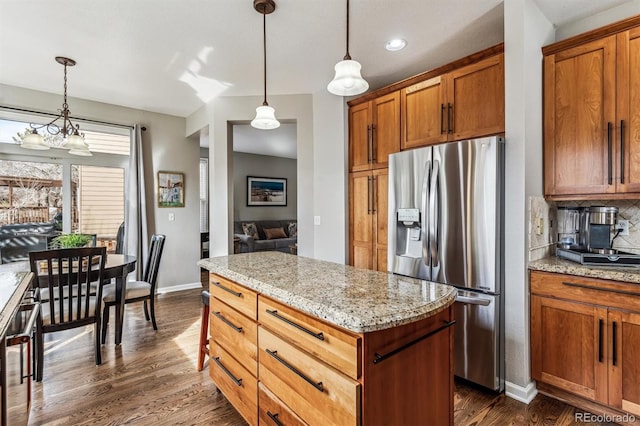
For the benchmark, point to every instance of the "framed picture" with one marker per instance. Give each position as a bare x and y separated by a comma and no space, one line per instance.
263,191
170,189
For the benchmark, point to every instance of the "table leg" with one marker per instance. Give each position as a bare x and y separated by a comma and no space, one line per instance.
121,287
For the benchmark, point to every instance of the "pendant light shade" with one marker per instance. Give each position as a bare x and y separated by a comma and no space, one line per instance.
265,115
77,146
34,141
348,81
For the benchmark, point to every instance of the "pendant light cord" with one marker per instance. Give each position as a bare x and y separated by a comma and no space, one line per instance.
347,57
264,51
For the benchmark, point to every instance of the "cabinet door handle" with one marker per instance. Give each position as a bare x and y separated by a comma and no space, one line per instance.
609,152
621,151
379,358
318,336
590,287
374,195
274,418
368,194
229,323
227,289
317,385
614,345
227,372
449,114
442,119
600,329
368,143
374,157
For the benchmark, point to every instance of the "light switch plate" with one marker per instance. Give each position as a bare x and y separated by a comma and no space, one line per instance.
172,217
316,220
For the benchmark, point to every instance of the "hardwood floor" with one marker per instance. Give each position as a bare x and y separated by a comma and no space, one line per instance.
152,379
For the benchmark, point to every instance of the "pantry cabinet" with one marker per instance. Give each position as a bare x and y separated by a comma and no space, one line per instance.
585,338
592,115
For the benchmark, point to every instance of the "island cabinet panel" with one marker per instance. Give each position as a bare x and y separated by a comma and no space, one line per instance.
338,348
319,394
272,411
585,338
235,332
235,382
238,297
413,383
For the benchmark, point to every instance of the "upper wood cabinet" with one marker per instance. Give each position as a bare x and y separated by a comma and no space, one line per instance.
374,132
592,117
465,103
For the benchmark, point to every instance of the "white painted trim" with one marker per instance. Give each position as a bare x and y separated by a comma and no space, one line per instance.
519,393
179,287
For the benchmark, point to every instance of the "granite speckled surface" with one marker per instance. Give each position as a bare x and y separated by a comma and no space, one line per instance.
562,266
359,300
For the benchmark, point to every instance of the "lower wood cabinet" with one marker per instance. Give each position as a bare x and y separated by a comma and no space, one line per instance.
585,338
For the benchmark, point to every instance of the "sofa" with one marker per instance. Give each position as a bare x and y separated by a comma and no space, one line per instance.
17,240
269,235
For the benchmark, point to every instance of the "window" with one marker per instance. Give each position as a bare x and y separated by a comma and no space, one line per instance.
204,195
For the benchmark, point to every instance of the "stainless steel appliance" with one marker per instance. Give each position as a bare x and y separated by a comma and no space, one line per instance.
568,226
446,225
613,257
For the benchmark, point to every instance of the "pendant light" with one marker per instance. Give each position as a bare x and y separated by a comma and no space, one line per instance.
348,81
265,115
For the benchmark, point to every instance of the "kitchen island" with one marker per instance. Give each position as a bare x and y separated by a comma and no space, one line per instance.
303,341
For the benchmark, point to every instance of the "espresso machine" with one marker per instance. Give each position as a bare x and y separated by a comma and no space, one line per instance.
601,229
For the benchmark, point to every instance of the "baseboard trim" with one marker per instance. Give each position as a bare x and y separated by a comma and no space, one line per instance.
179,287
519,393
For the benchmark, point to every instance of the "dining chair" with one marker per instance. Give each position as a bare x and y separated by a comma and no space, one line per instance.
203,346
120,239
70,293
137,291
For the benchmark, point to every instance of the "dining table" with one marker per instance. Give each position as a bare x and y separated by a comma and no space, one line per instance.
118,267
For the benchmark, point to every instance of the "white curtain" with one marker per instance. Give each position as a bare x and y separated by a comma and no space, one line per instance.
136,232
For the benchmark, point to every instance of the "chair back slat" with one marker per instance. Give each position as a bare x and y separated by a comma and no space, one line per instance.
65,278
153,260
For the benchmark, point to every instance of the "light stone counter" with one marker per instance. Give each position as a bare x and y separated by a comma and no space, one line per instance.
359,300
562,266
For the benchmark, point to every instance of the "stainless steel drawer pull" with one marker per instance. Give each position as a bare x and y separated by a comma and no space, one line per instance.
590,287
380,358
274,417
227,372
317,385
229,323
318,336
235,293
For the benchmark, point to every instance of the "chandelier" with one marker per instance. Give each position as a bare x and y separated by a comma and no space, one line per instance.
348,81
73,140
265,115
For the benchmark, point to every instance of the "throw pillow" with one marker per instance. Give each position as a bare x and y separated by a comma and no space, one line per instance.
293,230
251,230
272,233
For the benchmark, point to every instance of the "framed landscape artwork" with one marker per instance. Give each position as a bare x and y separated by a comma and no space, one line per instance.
170,189
264,191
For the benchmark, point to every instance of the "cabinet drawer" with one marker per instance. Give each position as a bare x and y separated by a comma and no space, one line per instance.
236,333
316,392
336,347
614,294
272,411
235,295
235,382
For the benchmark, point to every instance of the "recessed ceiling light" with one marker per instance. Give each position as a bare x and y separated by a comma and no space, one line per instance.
395,44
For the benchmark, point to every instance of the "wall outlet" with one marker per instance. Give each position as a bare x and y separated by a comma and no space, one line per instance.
623,226
539,222
316,220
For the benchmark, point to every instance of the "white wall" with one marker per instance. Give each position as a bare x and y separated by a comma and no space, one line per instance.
609,16
165,148
526,31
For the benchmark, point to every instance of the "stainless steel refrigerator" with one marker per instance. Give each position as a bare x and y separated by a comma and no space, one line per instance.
446,225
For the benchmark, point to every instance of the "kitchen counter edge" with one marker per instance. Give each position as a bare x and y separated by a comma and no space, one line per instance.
562,266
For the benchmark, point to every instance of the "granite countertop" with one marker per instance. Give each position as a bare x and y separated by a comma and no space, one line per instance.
12,288
359,300
562,266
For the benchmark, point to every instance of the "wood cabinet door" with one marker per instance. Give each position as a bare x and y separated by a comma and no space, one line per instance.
361,220
624,361
385,131
568,346
424,113
579,114
628,110
381,196
475,96
360,137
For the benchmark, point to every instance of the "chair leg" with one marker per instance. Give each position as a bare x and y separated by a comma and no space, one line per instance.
40,352
152,306
204,337
96,339
146,312
105,323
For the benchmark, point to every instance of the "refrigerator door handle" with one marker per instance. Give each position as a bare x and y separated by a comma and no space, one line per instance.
433,211
425,213
473,300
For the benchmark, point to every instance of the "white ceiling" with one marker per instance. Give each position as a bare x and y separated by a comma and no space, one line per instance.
172,56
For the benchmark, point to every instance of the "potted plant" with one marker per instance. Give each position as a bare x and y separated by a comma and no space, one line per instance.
70,241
